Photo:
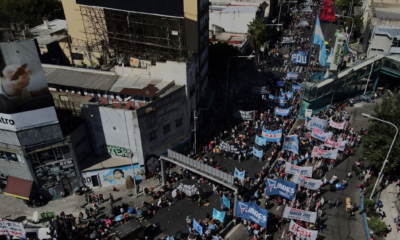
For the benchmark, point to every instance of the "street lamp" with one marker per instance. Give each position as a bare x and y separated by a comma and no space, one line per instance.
351,29
390,149
280,8
227,74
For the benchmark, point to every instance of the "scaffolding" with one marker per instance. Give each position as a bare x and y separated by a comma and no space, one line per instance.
144,36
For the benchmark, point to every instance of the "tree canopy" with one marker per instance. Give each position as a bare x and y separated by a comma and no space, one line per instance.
256,34
380,135
28,11
344,4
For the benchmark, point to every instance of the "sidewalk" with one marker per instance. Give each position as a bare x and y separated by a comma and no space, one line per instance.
388,198
75,204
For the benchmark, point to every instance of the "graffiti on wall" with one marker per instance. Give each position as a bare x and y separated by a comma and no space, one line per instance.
116,151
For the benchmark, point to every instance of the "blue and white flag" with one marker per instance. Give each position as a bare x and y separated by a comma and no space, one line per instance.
291,143
296,88
292,75
282,112
289,95
239,174
280,187
252,212
274,136
283,93
260,141
282,101
319,40
218,215
198,227
317,122
258,153
271,96
226,201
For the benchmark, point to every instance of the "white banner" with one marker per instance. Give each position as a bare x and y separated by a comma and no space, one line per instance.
8,228
320,135
313,184
298,214
244,115
28,119
188,189
302,233
227,147
339,145
318,123
292,169
337,125
331,154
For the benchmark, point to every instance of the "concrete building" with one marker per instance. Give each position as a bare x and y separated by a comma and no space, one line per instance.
131,119
384,40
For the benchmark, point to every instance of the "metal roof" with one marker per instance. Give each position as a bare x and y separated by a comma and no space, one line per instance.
385,14
44,35
387,30
140,85
72,77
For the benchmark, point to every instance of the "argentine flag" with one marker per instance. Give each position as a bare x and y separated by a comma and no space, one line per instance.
319,39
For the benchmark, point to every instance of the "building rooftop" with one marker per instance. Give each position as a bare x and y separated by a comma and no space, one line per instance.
140,85
51,33
387,14
80,78
393,32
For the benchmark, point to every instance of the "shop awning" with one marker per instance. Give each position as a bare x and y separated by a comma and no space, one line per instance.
18,187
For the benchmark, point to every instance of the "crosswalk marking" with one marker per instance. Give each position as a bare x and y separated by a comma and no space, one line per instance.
286,67
301,69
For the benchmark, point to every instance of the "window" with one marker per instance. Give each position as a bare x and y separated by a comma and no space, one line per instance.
396,43
178,122
153,135
167,128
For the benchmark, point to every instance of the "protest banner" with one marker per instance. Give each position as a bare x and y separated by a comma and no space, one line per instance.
292,169
280,187
337,125
197,227
271,96
298,214
317,152
299,57
289,95
292,75
302,233
296,88
274,136
291,143
251,211
260,141
244,115
261,90
8,228
313,184
316,122
218,215
320,135
282,101
258,153
282,112
189,190
239,174
339,145
226,202
227,147
286,40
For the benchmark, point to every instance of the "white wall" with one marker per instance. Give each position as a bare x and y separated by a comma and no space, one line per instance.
379,42
233,20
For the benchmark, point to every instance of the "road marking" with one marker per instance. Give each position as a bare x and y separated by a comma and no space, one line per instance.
278,208
301,69
286,67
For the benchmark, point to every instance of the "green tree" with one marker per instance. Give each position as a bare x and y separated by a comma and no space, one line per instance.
256,34
376,225
345,4
380,135
29,12
357,26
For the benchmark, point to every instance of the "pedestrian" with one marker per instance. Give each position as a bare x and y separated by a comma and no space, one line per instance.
86,198
337,202
348,175
137,190
330,203
322,201
199,201
111,198
101,198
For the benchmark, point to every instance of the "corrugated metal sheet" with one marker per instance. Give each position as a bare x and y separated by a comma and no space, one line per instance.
79,79
388,30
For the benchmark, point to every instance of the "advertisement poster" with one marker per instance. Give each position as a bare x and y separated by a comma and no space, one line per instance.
23,87
298,214
251,211
8,228
280,187
302,233
112,176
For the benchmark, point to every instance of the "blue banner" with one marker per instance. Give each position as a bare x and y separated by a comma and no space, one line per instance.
218,215
299,57
258,153
283,93
280,187
282,101
274,136
197,226
291,143
226,201
260,141
290,95
296,88
292,75
271,96
239,174
282,112
251,211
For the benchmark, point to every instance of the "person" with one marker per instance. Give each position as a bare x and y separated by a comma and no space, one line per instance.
322,201
137,189
337,202
101,198
348,175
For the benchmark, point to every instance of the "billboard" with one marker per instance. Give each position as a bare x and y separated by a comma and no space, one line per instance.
25,100
158,7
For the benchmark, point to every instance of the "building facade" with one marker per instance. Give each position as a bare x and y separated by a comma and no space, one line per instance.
384,40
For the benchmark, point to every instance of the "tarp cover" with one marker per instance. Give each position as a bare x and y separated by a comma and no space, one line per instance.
18,187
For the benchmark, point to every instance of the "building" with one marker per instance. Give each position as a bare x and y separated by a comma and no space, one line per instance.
131,119
33,144
384,40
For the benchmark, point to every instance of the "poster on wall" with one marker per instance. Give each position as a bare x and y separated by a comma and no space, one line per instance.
25,100
112,176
